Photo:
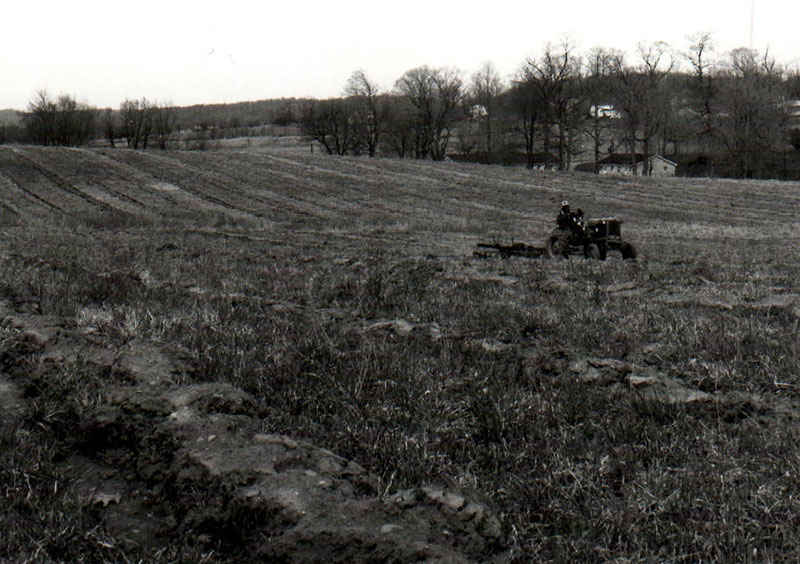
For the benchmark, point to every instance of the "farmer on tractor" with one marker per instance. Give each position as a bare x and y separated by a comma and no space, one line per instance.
593,238
569,220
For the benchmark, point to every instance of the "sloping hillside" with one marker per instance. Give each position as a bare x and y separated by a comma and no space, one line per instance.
279,190
221,356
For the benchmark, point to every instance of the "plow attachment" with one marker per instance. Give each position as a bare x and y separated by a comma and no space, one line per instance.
512,250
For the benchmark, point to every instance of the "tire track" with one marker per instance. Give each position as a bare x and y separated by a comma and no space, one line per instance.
228,176
91,176
9,208
262,182
15,182
60,182
449,193
400,198
162,168
7,190
119,201
678,198
159,201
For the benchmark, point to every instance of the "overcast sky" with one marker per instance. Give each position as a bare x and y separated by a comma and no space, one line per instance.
194,52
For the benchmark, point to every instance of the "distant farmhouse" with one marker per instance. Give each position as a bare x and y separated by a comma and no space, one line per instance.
478,112
604,111
620,163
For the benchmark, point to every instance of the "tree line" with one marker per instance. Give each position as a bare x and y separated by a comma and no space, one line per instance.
65,121
142,123
719,112
729,111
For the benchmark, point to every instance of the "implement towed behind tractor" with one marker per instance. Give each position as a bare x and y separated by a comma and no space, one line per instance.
593,239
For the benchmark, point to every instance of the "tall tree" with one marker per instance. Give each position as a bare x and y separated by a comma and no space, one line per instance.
370,109
400,127
485,89
704,93
643,99
137,121
40,119
63,121
433,99
528,107
754,110
556,74
163,124
600,65
110,128
331,124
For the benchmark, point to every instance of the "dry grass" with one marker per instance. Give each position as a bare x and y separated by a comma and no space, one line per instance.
281,288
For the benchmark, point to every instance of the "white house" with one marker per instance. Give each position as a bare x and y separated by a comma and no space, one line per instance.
478,112
604,111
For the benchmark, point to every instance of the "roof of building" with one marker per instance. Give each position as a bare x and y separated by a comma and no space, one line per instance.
625,159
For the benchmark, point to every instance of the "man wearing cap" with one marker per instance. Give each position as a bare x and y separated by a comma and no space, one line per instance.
564,219
570,221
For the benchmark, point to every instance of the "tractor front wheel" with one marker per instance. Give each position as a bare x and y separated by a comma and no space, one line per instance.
595,251
628,251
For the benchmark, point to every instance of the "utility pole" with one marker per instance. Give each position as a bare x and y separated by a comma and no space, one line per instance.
752,20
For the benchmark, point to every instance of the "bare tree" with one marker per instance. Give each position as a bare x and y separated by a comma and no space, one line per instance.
163,124
704,86
399,127
433,97
110,127
600,66
417,91
704,92
59,122
485,89
643,100
754,110
331,123
137,121
528,107
40,119
556,74
371,109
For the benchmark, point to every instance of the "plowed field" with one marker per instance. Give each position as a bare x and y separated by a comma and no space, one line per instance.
169,318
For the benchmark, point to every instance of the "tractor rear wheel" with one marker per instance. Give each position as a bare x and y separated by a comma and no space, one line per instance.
558,245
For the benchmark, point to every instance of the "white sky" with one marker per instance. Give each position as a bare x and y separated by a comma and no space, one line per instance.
189,52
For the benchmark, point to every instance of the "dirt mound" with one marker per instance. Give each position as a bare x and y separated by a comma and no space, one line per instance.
644,380
403,328
652,384
159,460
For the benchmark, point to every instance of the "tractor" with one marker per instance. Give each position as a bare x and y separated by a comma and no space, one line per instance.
592,238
